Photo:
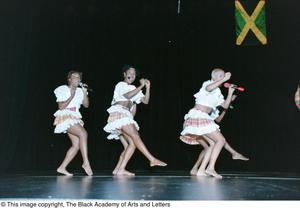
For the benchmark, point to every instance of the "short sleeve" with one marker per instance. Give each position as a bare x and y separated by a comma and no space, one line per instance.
203,91
205,84
138,97
62,93
121,89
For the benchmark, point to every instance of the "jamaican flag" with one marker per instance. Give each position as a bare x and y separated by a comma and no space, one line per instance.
250,22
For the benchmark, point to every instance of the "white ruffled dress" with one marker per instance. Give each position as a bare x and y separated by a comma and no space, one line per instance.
119,115
69,116
196,122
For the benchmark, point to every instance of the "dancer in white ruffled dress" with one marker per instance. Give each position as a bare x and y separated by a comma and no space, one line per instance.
200,124
197,168
121,124
68,120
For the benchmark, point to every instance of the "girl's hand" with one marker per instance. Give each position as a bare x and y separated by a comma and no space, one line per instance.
147,83
233,97
227,76
142,82
231,90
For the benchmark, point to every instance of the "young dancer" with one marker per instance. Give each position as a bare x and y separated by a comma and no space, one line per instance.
234,154
199,124
121,122
68,120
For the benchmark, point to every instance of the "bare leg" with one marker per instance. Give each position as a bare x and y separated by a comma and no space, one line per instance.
201,171
198,162
127,155
219,140
80,132
200,158
131,131
69,156
235,155
125,145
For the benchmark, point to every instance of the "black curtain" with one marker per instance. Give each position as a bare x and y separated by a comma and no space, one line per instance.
41,40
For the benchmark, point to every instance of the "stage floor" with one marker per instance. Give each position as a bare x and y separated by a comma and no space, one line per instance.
164,186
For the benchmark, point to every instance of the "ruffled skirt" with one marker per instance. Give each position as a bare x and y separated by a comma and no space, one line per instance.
119,116
64,119
197,123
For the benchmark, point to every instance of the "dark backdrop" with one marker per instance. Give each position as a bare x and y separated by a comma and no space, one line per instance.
41,40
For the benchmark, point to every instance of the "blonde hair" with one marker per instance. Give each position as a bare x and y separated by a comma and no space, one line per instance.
215,71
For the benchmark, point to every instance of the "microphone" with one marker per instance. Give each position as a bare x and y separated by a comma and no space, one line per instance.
85,86
227,85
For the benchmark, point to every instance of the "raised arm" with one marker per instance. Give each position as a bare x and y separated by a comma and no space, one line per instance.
221,116
146,99
132,93
230,97
217,83
86,101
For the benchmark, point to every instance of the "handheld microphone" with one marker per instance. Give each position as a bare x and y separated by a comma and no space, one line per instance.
85,86
227,85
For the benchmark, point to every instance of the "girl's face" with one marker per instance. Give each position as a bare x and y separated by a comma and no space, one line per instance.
129,75
219,75
74,80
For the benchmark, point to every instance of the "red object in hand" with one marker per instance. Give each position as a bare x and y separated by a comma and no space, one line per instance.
227,85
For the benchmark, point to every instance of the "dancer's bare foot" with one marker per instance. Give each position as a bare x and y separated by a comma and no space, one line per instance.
115,171
193,172
124,173
214,174
156,162
64,171
87,168
201,173
238,156
119,163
